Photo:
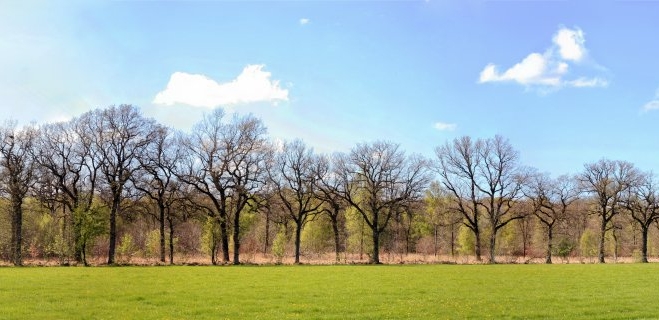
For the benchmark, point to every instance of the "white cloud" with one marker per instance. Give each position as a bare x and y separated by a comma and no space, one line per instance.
653,104
549,69
442,126
570,44
304,21
252,85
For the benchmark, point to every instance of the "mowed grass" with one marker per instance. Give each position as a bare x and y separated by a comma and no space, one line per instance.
628,291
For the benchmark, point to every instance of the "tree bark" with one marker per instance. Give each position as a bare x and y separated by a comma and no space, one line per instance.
298,236
224,235
601,242
337,243
477,234
162,232
171,241
550,236
17,231
644,244
493,240
376,246
236,238
113,229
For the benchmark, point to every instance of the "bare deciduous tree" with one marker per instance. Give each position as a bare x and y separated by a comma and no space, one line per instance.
121,135
156,179
17,174
295,181
551,200
642,203
379,181
329,192
607,181
226,164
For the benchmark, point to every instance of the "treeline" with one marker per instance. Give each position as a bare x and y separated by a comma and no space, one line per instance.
114,184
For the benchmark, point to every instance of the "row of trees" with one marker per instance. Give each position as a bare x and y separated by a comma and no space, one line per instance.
110,168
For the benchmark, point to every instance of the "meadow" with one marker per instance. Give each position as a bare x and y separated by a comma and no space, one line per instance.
590,291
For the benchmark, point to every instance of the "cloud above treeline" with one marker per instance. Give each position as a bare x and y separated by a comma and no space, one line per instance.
443,126
252,85
553,68
652,104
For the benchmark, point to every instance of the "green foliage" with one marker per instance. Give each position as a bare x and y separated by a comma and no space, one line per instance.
317,236
358,233
91,224
508,240
279,245
572,291
210,236
588,244
563,248
466,241
152,245
126,249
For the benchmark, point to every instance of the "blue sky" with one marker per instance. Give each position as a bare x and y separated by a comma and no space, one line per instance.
568,82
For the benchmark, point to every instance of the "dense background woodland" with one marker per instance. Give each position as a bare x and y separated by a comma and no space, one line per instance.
112,186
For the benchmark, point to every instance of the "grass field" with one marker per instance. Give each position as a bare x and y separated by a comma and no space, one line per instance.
332,292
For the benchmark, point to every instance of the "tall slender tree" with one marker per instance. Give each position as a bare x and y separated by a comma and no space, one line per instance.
121,136
607,181
551,199
295,181
17,174
642,204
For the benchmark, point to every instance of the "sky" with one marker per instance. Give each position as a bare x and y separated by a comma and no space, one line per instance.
567,82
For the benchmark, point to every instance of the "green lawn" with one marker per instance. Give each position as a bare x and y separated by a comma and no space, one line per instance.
332,292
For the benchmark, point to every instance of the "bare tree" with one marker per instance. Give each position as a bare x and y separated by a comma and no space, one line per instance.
551,200
608,181
156,179
329,193
642,203
64,151
458,167
225,163
379,181
17,174
484,177
120,138
295,181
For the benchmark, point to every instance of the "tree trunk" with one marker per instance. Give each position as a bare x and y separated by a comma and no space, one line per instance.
550,236
298,236
113,229
171,240
224,235
376,246
493,240
601,243
644,244
162,233
435,240
77,234
337,243
17,231
236,238
477,234
267,231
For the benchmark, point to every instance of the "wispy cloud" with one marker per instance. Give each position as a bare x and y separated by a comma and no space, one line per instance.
304,21
550,69
252,85
443,126
652,104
